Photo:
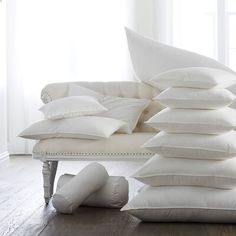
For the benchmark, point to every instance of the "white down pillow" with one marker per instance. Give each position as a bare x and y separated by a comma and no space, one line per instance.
159,171
85,127
194,77
184,204
72,106
194,98
196,146
150,58
125,109
194,121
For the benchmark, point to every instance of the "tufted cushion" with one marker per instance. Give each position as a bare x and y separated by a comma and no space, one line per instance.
127,89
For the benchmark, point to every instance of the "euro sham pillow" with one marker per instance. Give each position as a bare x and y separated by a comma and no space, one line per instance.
196,146
71,107
151,58
183,204
85,127
194,98
194,77
159,171
126,109
194,121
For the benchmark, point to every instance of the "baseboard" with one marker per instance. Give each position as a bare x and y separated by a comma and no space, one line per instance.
4,156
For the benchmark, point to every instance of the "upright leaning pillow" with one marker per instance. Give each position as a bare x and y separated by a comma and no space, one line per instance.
72,106
194,121
194,77
85,127
195,98
125,109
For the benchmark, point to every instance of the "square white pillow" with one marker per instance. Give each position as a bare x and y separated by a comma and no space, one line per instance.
71,107
159,171
195,98
150,58
125,109
194,121
196,146
184,204
194,77
85,127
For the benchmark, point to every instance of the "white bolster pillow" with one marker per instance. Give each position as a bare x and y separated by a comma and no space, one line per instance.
74,192
114,194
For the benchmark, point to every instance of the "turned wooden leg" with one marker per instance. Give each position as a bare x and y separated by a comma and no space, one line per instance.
46,180
52,175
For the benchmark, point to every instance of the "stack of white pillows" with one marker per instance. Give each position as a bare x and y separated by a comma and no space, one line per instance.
192,177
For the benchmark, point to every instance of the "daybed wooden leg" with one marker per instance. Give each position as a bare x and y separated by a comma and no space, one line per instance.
46,180
52,175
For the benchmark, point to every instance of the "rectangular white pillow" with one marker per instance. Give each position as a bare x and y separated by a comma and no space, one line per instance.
159,171
125,109
194,121
194,77
196,146
71,107
195,98
85,127
184,204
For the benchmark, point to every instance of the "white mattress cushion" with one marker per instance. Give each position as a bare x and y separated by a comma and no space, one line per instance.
196,146
194,77
195,98
194,120
150,58
160,171
184,204
71,107
126,109
114,193
117,144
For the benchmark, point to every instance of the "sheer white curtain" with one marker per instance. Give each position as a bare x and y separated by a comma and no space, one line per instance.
56,40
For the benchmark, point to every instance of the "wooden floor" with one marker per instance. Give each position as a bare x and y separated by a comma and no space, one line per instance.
23,213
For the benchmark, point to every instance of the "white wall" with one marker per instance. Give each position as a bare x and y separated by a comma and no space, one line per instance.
3,88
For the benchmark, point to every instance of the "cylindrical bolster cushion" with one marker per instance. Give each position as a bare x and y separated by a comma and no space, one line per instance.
114,194
75,191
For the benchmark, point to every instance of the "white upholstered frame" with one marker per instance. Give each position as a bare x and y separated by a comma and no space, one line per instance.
130,89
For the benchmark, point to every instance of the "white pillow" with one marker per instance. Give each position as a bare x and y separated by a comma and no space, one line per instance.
114,193
151,58
85,127
195,98
86,182
125,109
196,146
194,77
194,121
160,171
72,106
184,204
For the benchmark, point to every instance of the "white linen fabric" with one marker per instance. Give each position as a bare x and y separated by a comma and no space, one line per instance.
194,77
114,193
183,204
195,98
116,145
125,109
80,187
196,146
84,127
194,121
150,58
71,107
160,171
